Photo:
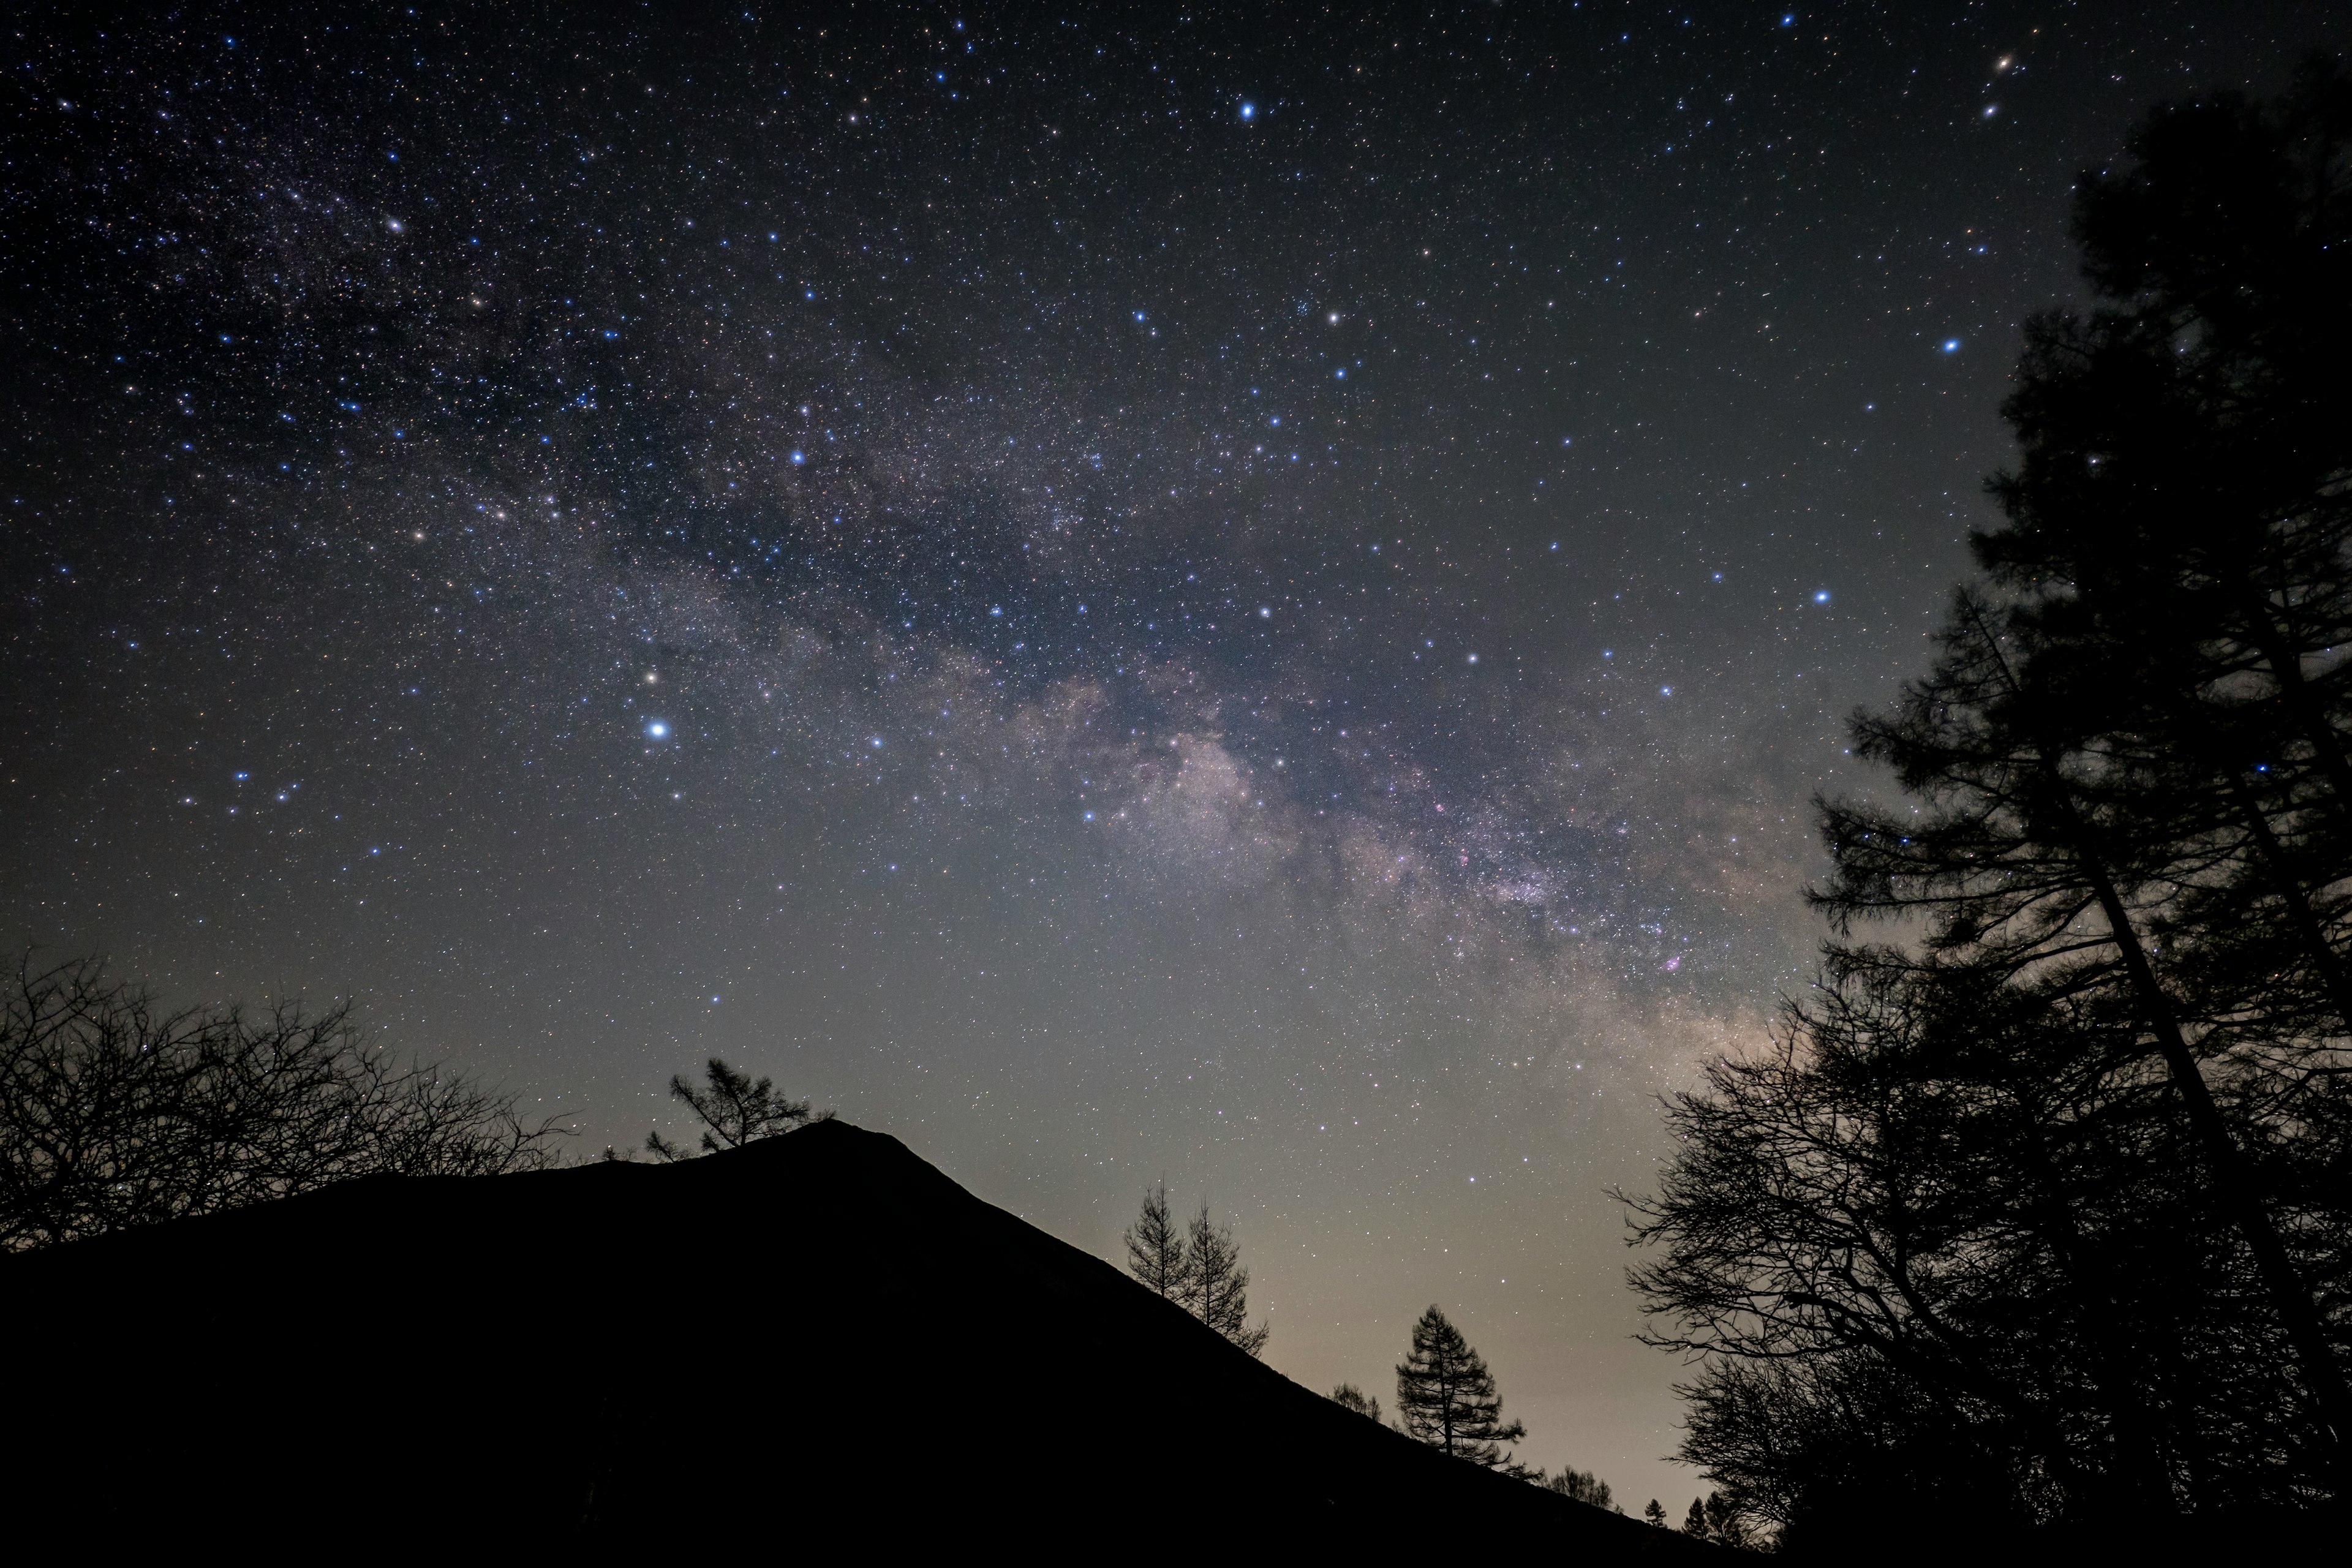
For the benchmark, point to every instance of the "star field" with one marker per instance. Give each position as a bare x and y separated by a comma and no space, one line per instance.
1114,591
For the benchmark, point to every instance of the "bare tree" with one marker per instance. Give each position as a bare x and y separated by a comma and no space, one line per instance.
734,1110
114,1112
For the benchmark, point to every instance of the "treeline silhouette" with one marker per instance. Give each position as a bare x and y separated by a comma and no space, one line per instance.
116,1112
2036,1212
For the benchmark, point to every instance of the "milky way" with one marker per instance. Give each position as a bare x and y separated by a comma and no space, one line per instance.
1224,594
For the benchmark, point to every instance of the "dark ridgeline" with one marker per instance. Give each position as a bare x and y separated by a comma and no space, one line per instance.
2042,1219
816,1338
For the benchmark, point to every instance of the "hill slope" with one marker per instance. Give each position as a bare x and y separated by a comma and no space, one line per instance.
819,1334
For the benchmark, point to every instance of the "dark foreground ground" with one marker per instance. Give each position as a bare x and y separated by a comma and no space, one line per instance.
818,1339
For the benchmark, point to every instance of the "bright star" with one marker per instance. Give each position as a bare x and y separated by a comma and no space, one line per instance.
1249,112
1951,345
656,729
1822,597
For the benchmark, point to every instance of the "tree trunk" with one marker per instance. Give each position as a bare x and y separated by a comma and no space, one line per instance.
2289,889
2289,1296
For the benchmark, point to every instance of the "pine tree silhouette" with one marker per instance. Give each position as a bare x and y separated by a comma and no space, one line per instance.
1216,1286
1156,1253
1446,1398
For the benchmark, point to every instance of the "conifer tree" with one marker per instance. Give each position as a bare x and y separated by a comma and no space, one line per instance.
1694,1521
1216,1286
1156,1253
2134,758
1656,1513
1353,1398
733,1110
1446,1398
2094,1096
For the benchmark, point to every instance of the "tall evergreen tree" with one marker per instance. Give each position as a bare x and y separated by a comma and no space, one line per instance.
1156,1253
1446,1398
1216,1286
2040,1214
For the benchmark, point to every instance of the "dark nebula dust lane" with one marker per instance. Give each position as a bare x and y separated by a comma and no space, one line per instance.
1119,592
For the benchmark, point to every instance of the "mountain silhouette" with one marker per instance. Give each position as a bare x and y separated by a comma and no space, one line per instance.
817,1337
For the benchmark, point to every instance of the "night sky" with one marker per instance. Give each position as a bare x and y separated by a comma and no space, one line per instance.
1232,594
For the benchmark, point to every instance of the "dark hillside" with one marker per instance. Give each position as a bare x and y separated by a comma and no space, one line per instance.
818,1335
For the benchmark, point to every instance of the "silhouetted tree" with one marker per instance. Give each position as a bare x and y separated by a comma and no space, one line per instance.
1694,1521
1656,1513
1446,1398
1216,1286
1156,1253
2041,1214
2132,752
733,1110
1944,1248
1365,1405
116,1112
2029,867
